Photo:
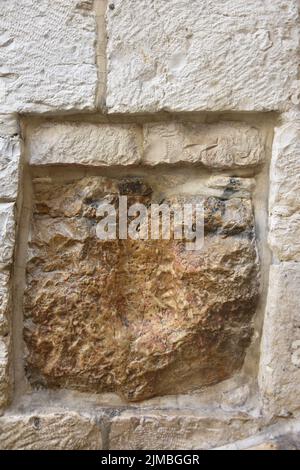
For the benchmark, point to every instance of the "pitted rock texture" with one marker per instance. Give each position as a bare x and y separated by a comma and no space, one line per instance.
49,431
47,56
197,55
139,317
85,144
222,145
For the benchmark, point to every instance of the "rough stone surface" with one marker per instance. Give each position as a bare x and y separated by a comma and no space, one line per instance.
283,435
167,430
280,350
49,431
47,56
223,145
199,56
9,125
4,301
4,371
7,233
4,337
284,235
85,144
233,187
10,153
289,441
141,318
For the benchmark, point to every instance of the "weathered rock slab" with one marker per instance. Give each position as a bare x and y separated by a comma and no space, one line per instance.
222,145
280,349
7,233
202,56
177,431
4,371
47,56
4,301
138,317
284,233
288,441
49,431
85,144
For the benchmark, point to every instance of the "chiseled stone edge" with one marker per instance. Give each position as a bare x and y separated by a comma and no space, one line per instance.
178,430
10,131
10,167
279,436
49,431
85,144
237,144
284,198
9,125
279,374
110,144
279,368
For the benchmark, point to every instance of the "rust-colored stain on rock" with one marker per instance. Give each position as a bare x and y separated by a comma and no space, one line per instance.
140,318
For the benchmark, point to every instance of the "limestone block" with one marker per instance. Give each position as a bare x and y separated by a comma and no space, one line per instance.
47,56
280,348
4,371
137,317
10,153
7,233
85,144
49,431
193,55
182,431
284,233
223,145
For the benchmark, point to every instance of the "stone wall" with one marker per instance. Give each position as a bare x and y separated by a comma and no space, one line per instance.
141,344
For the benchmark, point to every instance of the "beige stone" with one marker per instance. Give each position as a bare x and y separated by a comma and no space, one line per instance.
85,144
284,233
141,318
4,371
287,443
4,301
280,349
9,125
177,430
222,145
7,233
202,56
231,187
49,431
10,154
47,56
284,441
